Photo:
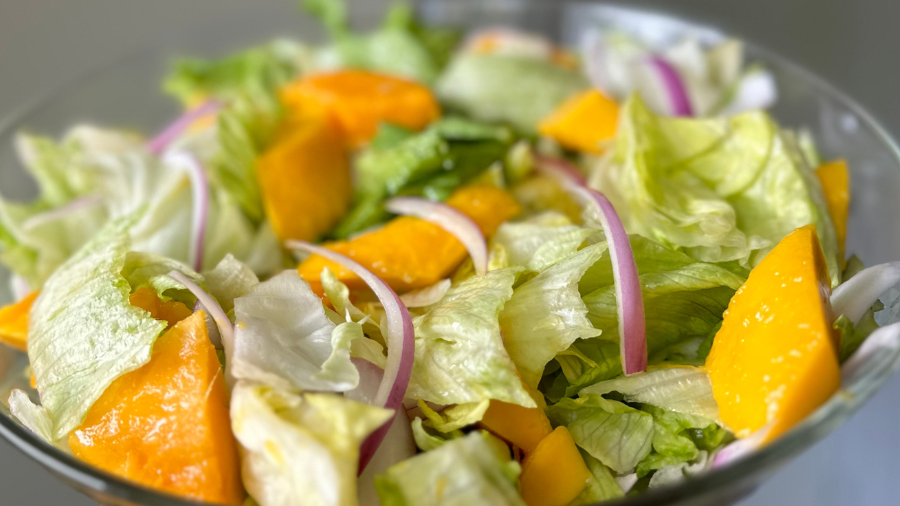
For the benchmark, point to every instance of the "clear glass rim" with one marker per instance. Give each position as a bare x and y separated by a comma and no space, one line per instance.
829,416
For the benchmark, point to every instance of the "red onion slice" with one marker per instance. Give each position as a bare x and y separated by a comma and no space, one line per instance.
200,213
629,300
451,220
854,297
675,89
742,447
162,140
207,302
400,342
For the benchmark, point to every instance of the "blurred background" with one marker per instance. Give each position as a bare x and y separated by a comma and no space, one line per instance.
46,43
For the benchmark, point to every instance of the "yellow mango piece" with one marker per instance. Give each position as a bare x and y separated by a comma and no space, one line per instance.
166,424
410,253
523,427
775,358
14,322
171,311
583,122
554,474
360,100
835,179
304,177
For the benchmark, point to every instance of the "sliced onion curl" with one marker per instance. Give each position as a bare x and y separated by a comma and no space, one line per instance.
855,296
629,300
211,327
426,296
451,220
676,91
164,139
225,330
400,343
740,448
200,199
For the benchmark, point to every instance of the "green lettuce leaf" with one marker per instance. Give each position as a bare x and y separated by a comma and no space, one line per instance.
230,280
520,91
546,315
455,417
427,440
617,435
722,189
541,241
84,333
460,356
474,470
588,361
852,336
300,449
601,485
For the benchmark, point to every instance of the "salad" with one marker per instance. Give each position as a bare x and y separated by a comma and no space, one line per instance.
416,266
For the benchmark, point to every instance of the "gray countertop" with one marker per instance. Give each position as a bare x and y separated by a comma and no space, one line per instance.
850,42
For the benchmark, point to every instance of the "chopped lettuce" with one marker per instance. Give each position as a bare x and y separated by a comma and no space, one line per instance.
546,315
230,280
588,361
602,484
722,189
460,356
470,471
283,338
428,440
615,434
517,90
84,333
852,336
541,241
300,449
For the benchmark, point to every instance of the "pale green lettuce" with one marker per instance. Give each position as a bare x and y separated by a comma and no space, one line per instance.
601,485
300,449
428,440
722,189
460,356
471,471
230,280
541,241
546,315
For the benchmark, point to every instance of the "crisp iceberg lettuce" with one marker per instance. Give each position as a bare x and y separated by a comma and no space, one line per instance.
300,449
541,241
230,280
601,485
473,471
721,189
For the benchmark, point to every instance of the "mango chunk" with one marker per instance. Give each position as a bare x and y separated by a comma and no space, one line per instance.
410,253
554,474
583,122
166,424
835,179
14,322
360,100
304,177
171,311
775,358
523,427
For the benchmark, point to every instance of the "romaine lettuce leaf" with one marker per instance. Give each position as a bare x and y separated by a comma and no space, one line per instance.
300,449
617,435
546,315
471,471
460,356
722,189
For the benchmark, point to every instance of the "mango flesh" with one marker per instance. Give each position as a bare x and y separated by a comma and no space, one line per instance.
304,177
520,426
166,424
360,100
835,179
775,358
171,311
583,123
410,253
554,474
14,322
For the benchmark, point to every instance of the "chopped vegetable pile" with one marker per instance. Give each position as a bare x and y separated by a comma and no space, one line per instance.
421,267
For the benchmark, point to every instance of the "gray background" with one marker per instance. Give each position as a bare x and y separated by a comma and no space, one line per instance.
852,43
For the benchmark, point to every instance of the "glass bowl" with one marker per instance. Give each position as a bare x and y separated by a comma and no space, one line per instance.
127,93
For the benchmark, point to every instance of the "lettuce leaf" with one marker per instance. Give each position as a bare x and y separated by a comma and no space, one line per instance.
546,315
474,470
84,333
541,241
230,280
722,189
283,338
520,91
460,356
427,440
601,485
617,435
300,449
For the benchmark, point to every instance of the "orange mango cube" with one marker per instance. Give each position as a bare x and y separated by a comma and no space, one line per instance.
775,359
554,474
14,322
410,253
360,100
171,311
583,122
521,426
835,179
